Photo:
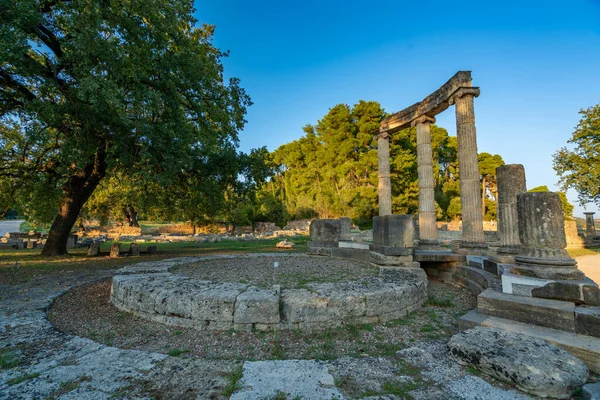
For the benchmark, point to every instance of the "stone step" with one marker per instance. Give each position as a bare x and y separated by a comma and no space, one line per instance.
586,348
476,261
542,312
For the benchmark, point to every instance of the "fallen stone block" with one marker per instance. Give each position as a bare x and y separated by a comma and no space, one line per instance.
532,365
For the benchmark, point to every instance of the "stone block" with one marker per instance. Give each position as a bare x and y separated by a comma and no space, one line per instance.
348,252
326,230
531,364
115,250
391,251
134,249
346,227
393,230
579,292
94,249
543,312
300,305
71,241
151,249
380,259
591,391
31,244
587,321
257,306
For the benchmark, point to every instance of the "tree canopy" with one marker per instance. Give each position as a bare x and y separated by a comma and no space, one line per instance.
579,168
92,89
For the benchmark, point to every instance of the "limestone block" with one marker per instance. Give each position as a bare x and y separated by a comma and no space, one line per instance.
94,249
216,302
579,292
591,391
346,226
151,250
393,230
587,321
300,305
115,249
326,230
134,249
71,241
532,365
381,259
257,306
284,244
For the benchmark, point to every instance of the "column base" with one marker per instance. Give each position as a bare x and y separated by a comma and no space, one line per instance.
547,271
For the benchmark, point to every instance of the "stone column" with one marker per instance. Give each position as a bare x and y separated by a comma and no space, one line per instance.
385,185
590,227
427,219
542,234
470,197
511,182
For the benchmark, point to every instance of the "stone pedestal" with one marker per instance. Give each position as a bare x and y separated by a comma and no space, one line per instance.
94,249
71,241
511,182
393,240
385,185
115,250
325,234
427,220
470,196
544,258
590,227
134,249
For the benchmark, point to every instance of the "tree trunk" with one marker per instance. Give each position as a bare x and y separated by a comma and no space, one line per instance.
133,217
77,190
127,215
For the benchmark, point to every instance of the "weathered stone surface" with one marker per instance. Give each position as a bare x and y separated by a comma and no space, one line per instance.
542,234
579,292
531,364
71,241
511,182
591,391
134,249
325,230
590,226
393,230
384,188
391,250
151,249
284,244
115,250
587,321
257,306
543,312
94,249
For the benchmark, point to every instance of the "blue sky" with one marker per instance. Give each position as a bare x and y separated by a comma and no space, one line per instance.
537,63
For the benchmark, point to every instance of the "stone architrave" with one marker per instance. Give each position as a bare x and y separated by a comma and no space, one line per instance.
542,234
115,250
383,171
470,197
511,182
427,220
590,227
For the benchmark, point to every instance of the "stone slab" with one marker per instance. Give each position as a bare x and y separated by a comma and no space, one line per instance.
353,245
476,261
390,250
326,230
396,230
591,391
306,379
586,348
580,292
542,312
519,284
442,256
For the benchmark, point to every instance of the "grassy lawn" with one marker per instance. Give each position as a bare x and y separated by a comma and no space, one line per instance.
22,265
583,252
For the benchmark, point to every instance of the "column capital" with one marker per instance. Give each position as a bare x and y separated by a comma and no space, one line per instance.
382,135
423,119
589,213
463,91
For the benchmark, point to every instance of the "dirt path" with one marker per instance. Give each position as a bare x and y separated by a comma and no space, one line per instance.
590,265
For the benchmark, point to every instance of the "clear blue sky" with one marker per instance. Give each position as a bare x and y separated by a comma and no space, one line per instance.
537,63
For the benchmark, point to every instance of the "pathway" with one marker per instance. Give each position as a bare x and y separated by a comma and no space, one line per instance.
590,265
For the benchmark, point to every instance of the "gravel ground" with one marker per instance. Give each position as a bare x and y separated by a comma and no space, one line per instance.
86,311
291,273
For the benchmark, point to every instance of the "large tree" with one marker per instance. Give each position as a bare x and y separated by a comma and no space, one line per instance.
579,168
89,87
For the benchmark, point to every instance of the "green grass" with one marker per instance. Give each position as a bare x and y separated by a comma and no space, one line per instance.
22,378
177,352
473,370
8,359
233,379
440,302
33,264
583,252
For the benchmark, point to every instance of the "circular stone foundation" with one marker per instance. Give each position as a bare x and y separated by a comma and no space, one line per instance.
152,291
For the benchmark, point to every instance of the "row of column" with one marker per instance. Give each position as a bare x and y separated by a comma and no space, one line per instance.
470,197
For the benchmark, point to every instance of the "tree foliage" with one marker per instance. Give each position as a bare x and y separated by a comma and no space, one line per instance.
92,89
579,168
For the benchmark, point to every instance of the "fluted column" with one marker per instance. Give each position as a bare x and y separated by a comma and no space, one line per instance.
590,227
427,219
511,182
385,185
470,196
542,234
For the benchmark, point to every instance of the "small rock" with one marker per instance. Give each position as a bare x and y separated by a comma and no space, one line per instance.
532,365
591,391
284,244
